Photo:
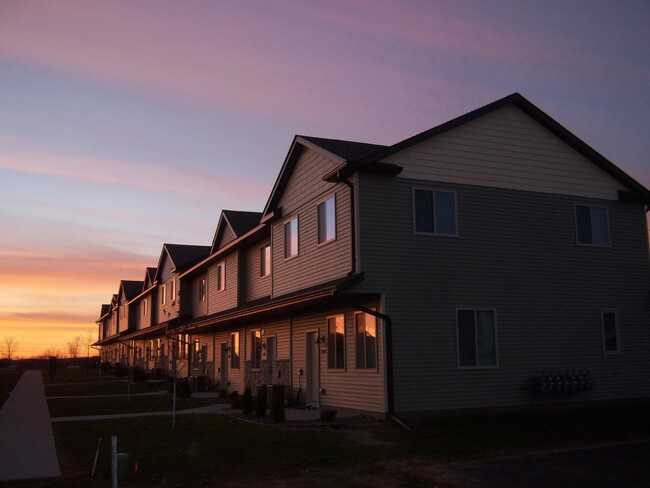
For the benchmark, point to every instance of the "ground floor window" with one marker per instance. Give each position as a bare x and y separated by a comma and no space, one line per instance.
336,342
611,343
234,350
256,349
366,340
477,338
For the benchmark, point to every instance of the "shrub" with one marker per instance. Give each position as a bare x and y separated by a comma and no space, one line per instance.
247,403
277,409
106,365
235,401
139,374
119,370
328,415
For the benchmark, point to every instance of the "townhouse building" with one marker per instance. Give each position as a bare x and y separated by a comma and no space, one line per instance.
495,260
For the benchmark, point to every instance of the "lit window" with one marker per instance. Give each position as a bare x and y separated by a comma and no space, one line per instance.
256,349
434,212
327,220
221,276
291,238
477,346
366,332
163,294
592,225
265,261
610,333
336,342
202,290
145,307
172,290
234,350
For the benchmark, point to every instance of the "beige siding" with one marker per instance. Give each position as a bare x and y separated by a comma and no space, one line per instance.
227,236
506,149
227,298
315,263
256,286
199,308
170,309
348,388
235,376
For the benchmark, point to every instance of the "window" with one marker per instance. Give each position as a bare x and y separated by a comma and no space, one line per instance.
434,212
163,294
366,333
202,290
145,307
336,342
477,345
592,225
256,349
234,350
172,290
610,333
221,276
265,261
327,220
291,238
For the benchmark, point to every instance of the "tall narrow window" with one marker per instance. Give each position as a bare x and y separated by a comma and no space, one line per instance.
327,220
145,307
202,290
610,333
256,349
291,238
265,261
163,294
234,350
592,225
221,276
172,290
434,212
366,333
336,342
476,331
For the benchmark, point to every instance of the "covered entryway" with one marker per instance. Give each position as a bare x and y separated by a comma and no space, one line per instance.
312,373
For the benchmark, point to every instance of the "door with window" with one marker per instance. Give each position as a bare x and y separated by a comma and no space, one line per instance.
223,377
312,370
271,376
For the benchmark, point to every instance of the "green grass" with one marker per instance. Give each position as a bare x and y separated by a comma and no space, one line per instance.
106,387
8,380
69,407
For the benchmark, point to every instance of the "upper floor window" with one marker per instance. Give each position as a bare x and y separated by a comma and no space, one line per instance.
265,260
145,307
163,294
202,289
336,342
234,350
291,238
256,349
366,332
172,290
592,225
327,220
610,333
221,276
477,339
434,211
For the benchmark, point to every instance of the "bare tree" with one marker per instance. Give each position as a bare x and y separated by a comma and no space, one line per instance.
87,341
73,347
8,347
50,352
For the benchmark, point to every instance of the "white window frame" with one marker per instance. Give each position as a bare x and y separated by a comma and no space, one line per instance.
329,346
496,338
326,215
235,350
163,294
172,290
284,236
575,218
433,210
221,276
256,338
606,351
145,306
365,352
203,289
265,261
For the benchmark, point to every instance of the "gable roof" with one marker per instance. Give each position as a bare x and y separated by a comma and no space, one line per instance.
149,277
240,222
183,256
527,107
130,288
106,308
338,150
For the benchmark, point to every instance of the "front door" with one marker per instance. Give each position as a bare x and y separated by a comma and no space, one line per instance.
223,378
271,377
312,372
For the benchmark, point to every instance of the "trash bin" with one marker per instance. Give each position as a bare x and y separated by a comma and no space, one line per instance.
122,465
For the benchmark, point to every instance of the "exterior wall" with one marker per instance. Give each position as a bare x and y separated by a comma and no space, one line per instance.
123,311
235,375
256,286
226,238
348,388
315,263
199,308
279,330
506,149
227,298
516,253
171,307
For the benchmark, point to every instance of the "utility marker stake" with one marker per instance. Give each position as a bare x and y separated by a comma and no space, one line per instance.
96,456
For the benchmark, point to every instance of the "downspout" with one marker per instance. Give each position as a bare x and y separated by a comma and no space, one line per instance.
290,356
353,233
388,331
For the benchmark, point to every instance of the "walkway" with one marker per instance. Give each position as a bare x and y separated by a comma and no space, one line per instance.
27,448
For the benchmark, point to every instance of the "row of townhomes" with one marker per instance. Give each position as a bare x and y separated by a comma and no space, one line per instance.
495,260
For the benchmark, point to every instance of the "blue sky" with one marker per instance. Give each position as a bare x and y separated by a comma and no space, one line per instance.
126,124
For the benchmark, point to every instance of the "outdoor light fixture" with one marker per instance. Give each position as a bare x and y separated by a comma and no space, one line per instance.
320,340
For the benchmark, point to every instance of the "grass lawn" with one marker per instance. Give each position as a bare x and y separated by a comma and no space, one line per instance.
8,380
68,407
108,386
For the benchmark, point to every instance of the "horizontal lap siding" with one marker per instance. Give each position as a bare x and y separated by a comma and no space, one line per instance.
516,252
223,300
199,308
235,376
169,310
349,388
256,286
314,264
506,149
226,237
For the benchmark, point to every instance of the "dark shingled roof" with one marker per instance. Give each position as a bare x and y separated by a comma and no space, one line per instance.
105,309
184,255
348,150
131,288
242,222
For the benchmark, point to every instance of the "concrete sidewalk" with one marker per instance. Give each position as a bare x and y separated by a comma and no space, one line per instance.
27,448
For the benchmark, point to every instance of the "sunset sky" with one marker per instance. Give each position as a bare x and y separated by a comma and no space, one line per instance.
127,124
